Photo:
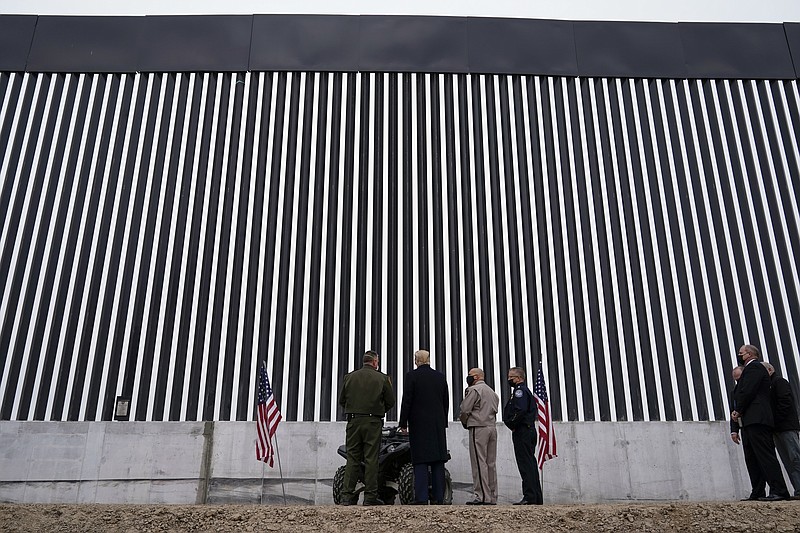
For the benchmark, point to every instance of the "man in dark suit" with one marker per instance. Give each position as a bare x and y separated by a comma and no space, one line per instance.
753,408
757,482
787,426
423,413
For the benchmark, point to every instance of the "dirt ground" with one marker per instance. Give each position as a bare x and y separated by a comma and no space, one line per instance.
674,517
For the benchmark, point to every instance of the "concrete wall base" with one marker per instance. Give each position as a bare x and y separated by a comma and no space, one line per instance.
204,462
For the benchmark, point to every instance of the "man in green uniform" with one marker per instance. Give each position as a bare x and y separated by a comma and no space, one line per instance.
366,395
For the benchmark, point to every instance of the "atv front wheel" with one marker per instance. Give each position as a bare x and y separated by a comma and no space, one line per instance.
448,488
338,485
405,484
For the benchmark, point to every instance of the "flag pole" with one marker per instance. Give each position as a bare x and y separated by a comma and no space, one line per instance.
541,479
263,467
278,453
280,469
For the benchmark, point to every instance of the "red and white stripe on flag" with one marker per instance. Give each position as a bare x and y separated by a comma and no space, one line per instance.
546,441
267,421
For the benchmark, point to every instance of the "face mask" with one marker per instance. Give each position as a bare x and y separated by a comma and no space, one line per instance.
511,383
470,380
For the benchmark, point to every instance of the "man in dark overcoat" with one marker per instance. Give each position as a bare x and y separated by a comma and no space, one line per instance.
786,433
757,482
752,401
423,414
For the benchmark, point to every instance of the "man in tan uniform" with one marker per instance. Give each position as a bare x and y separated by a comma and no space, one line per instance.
478,412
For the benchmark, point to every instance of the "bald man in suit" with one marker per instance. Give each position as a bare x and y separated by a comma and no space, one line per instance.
753,408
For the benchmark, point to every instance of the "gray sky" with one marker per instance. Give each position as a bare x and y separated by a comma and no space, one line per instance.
643,10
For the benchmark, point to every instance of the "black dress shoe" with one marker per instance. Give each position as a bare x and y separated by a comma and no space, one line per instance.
419,503
795,497
346,502
772,498
526,502
374,502
475,502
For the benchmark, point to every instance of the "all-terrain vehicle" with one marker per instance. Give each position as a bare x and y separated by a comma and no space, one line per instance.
395,472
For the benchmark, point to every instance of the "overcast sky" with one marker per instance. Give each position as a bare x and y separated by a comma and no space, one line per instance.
645,10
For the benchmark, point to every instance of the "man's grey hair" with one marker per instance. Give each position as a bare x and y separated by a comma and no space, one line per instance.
769,367
517,371
422,357
753,350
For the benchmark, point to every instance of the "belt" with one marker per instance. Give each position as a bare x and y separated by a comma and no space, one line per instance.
350,416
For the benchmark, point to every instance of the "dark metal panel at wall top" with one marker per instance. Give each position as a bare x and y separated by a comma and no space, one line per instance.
398,44
413,44
629,50
305,42
793,36
756,51
16,34
519,46
208,43
85,44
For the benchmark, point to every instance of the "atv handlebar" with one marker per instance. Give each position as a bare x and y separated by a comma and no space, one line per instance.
389,431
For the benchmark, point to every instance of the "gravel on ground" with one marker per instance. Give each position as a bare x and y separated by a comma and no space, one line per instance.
657,517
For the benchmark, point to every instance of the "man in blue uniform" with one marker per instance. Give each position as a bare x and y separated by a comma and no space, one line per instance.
519,415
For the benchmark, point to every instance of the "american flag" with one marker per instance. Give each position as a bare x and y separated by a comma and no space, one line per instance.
268,417
546,442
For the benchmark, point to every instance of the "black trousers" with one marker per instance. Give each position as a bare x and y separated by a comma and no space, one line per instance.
524,440
757,481
758,438
421,493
